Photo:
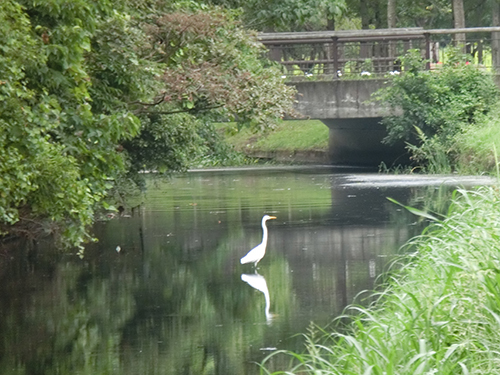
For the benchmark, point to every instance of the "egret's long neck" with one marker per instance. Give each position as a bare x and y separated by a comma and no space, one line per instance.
264,232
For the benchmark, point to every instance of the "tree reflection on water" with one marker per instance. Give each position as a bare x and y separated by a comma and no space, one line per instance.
172,301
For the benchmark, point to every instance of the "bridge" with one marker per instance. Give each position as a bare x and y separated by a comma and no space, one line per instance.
336,72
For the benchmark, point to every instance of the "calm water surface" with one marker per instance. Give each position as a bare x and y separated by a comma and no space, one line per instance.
175,299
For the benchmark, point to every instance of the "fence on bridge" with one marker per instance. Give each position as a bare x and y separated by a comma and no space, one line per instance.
357,53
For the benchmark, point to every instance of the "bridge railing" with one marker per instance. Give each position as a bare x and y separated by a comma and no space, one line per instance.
363,53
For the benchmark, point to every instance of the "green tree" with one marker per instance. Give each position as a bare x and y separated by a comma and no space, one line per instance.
89,92
424,13
46,123
289,15
211,69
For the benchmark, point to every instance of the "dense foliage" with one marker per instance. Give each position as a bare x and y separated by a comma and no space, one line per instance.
288,15
432,108
307,15
91,91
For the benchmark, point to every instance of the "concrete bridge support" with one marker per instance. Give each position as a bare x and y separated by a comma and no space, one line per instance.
347,108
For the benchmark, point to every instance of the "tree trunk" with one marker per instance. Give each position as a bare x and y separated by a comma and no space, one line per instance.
459,22
330,22
391,23
495,36
391,14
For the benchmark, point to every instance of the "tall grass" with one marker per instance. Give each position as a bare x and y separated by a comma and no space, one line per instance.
439,312
475,145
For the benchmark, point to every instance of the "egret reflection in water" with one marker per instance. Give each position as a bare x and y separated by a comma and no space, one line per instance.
258,282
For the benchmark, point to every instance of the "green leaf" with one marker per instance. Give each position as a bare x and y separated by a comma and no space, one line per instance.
415,211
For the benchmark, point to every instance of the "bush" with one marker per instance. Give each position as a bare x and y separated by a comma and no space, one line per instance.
435,106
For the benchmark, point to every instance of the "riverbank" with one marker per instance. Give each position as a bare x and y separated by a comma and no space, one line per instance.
438,314
306,142
294,141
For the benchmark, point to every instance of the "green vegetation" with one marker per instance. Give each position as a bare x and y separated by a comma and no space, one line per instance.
91,92
438,109
438,314
311,15
289,15
478,145
289,135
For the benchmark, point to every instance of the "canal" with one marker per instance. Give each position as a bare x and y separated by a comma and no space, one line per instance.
163,291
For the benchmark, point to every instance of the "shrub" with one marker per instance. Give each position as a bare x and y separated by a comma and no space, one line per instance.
440,104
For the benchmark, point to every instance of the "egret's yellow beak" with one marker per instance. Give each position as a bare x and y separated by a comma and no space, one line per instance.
272,217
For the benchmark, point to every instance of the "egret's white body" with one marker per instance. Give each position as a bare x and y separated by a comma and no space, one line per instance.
258,252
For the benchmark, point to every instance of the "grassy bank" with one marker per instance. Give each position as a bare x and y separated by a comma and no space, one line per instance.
295,135
477,145
439,313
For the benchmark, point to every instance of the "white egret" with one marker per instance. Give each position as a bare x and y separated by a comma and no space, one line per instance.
258,252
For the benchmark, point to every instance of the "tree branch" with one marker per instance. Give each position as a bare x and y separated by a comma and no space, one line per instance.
159,101
179,110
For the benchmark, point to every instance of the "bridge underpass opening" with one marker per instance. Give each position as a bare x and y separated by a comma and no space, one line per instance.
358,141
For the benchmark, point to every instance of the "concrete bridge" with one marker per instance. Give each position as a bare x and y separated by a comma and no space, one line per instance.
346,107
336,73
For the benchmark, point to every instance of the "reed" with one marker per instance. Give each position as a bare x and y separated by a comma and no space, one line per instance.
439,312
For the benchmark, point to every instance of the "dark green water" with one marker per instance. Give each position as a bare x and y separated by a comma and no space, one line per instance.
173,301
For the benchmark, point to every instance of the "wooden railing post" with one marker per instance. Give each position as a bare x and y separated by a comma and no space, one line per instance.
427,55
495,50
495,37
391,52
275,53
335,55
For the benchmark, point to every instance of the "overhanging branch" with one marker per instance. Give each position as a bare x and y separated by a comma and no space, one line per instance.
187,110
